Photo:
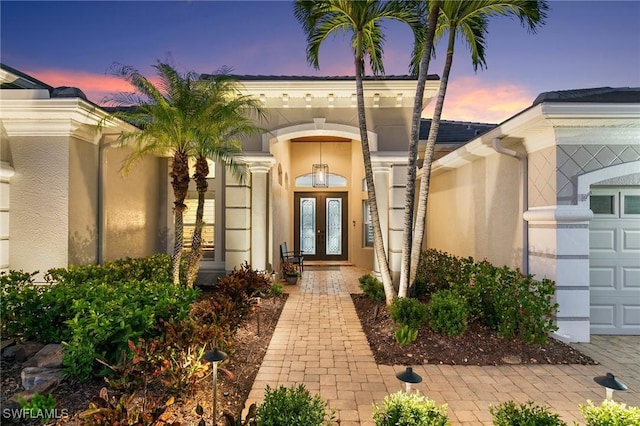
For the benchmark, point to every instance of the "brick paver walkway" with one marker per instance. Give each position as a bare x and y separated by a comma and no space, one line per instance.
319,342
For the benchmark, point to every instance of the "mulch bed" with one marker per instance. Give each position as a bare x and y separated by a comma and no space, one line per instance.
477,346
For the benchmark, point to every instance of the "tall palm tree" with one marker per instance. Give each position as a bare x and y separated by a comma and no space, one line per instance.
226,118
469,21
362,19
431,9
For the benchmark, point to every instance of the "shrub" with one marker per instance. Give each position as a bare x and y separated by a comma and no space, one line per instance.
106,316
276,289
372,287
438,271
408,409
502,298
408,311
610,413
448,313
292,406
20,313
510,414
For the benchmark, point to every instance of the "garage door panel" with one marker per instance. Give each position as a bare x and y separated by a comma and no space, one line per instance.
631,240
603,316
603,240
602,278
631,279
614,261
631,316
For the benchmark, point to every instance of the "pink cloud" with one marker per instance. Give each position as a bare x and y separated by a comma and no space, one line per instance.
95,86
470,99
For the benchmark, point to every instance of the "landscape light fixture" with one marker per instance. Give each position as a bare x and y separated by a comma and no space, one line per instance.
320,173
214,357
610,383
408,377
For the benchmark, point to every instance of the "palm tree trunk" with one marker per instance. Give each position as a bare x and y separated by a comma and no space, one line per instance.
421,214
378,242
202,170
413,151
180,185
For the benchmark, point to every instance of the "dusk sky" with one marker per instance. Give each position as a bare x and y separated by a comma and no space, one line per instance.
584,44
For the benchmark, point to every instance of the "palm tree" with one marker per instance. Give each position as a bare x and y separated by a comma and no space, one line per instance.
226,117
362,19
429,29
468,20
167,119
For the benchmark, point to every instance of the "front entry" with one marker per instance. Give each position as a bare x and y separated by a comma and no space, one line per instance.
320,225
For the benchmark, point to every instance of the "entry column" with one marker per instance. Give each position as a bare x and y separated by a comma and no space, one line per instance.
259,215
381,173
559,250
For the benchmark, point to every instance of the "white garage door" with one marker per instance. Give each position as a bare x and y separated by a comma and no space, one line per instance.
614,253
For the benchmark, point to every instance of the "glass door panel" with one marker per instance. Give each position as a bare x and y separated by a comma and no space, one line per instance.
308,225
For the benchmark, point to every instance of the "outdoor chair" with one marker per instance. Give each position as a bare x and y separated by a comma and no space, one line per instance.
294,257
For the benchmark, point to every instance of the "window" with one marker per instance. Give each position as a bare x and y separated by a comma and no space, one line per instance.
631,204
367,227
209,218
602,204
334,180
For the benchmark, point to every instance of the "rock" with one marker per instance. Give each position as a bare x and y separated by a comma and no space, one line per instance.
44,388
512,359
5,344
33,376
48,357
22,351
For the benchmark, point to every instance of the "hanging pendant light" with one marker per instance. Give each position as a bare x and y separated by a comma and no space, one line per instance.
320,173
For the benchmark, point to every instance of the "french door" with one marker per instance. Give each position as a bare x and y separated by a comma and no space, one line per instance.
320,221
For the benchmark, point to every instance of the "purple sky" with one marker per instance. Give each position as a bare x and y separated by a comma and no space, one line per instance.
584,44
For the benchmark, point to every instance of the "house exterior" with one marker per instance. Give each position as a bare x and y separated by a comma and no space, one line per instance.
518,193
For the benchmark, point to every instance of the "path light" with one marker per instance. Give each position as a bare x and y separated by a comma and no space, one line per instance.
408,377
214,357
257,300
610,383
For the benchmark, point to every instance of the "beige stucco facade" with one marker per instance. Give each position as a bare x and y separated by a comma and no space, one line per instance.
65,200
517,195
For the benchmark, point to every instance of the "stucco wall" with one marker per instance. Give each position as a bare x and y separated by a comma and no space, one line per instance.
280,185
39,225
134,206
83,202
475,211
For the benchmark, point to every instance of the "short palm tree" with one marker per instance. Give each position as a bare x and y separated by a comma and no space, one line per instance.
169,117
227,116
362,19
469,21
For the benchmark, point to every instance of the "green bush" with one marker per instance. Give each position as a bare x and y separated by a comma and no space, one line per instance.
610,413
510,414
448,313
20,313
372,287
439,270
501,298
408,311
107,316
292,406
409,409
